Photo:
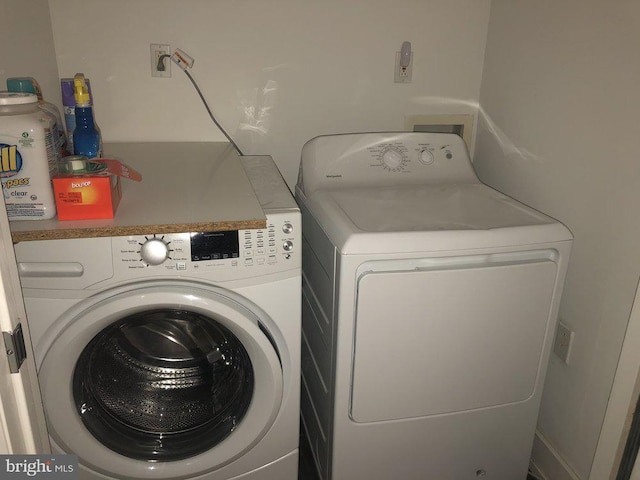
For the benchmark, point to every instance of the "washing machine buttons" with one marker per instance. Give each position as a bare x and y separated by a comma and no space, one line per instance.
287,228
287,245
154,251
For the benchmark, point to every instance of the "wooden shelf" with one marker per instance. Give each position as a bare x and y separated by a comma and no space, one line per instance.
185,187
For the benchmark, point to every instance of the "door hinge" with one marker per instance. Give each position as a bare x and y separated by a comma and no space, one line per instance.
15,348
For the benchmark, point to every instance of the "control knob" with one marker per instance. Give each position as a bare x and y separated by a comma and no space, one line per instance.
154,251
426,157
287,228
392,159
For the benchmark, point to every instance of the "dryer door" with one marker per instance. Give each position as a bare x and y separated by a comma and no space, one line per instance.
444,335
177,375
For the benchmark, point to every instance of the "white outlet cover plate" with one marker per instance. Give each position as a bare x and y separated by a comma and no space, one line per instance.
156,50
562,344
403,77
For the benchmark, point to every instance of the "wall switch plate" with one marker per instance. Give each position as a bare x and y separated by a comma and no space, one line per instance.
157,50
563,342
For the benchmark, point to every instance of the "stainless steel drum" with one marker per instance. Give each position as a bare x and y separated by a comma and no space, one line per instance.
163,384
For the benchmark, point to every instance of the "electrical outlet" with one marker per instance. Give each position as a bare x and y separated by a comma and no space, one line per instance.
563,342
403,73
157,50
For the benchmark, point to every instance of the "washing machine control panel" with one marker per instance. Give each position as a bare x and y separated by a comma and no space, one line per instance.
271,249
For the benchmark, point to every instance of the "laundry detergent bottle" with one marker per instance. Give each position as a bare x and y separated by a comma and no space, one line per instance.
87,139
28,157
31,85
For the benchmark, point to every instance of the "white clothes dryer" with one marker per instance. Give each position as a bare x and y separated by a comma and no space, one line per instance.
173,356
429,309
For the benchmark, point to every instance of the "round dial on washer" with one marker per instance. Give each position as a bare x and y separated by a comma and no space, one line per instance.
154,251
426,156
287,228
392,159
287,245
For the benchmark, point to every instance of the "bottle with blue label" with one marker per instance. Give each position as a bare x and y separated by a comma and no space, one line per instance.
69,107
28,157
87,139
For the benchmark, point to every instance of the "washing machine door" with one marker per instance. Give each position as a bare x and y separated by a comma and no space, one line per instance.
161,380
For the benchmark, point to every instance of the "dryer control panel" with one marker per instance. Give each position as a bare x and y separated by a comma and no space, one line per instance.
381,159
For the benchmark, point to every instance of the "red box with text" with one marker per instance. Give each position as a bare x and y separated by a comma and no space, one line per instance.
81,197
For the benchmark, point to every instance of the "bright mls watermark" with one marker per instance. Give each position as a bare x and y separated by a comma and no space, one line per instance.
53,467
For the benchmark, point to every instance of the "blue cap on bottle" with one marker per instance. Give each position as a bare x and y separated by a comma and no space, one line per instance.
21,84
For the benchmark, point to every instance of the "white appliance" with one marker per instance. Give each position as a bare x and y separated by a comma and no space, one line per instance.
429,310
173,356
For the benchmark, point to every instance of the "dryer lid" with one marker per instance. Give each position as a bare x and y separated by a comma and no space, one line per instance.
429,218
410,192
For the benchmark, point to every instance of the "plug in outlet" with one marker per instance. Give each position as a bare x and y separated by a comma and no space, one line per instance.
181,59
160,67
563,342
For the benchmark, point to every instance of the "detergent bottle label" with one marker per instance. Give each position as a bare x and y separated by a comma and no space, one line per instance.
27,159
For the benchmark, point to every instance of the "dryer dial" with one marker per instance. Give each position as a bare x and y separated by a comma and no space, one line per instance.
154,251
393,159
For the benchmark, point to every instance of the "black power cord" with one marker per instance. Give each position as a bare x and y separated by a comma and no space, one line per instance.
161,67
211,113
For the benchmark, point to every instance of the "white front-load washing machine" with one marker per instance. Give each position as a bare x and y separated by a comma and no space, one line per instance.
173,356
429,309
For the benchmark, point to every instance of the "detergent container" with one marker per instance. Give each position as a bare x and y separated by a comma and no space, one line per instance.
31,85
28,157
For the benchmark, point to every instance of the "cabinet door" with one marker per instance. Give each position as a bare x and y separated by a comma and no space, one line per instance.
24,431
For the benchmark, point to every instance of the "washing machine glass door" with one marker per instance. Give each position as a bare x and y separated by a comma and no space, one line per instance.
168,374
163,373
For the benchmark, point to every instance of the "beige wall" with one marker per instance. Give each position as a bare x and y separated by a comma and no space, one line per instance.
558,131
275,72
26,45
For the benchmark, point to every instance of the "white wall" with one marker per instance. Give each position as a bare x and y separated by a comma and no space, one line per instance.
275,72
559,131
26,45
